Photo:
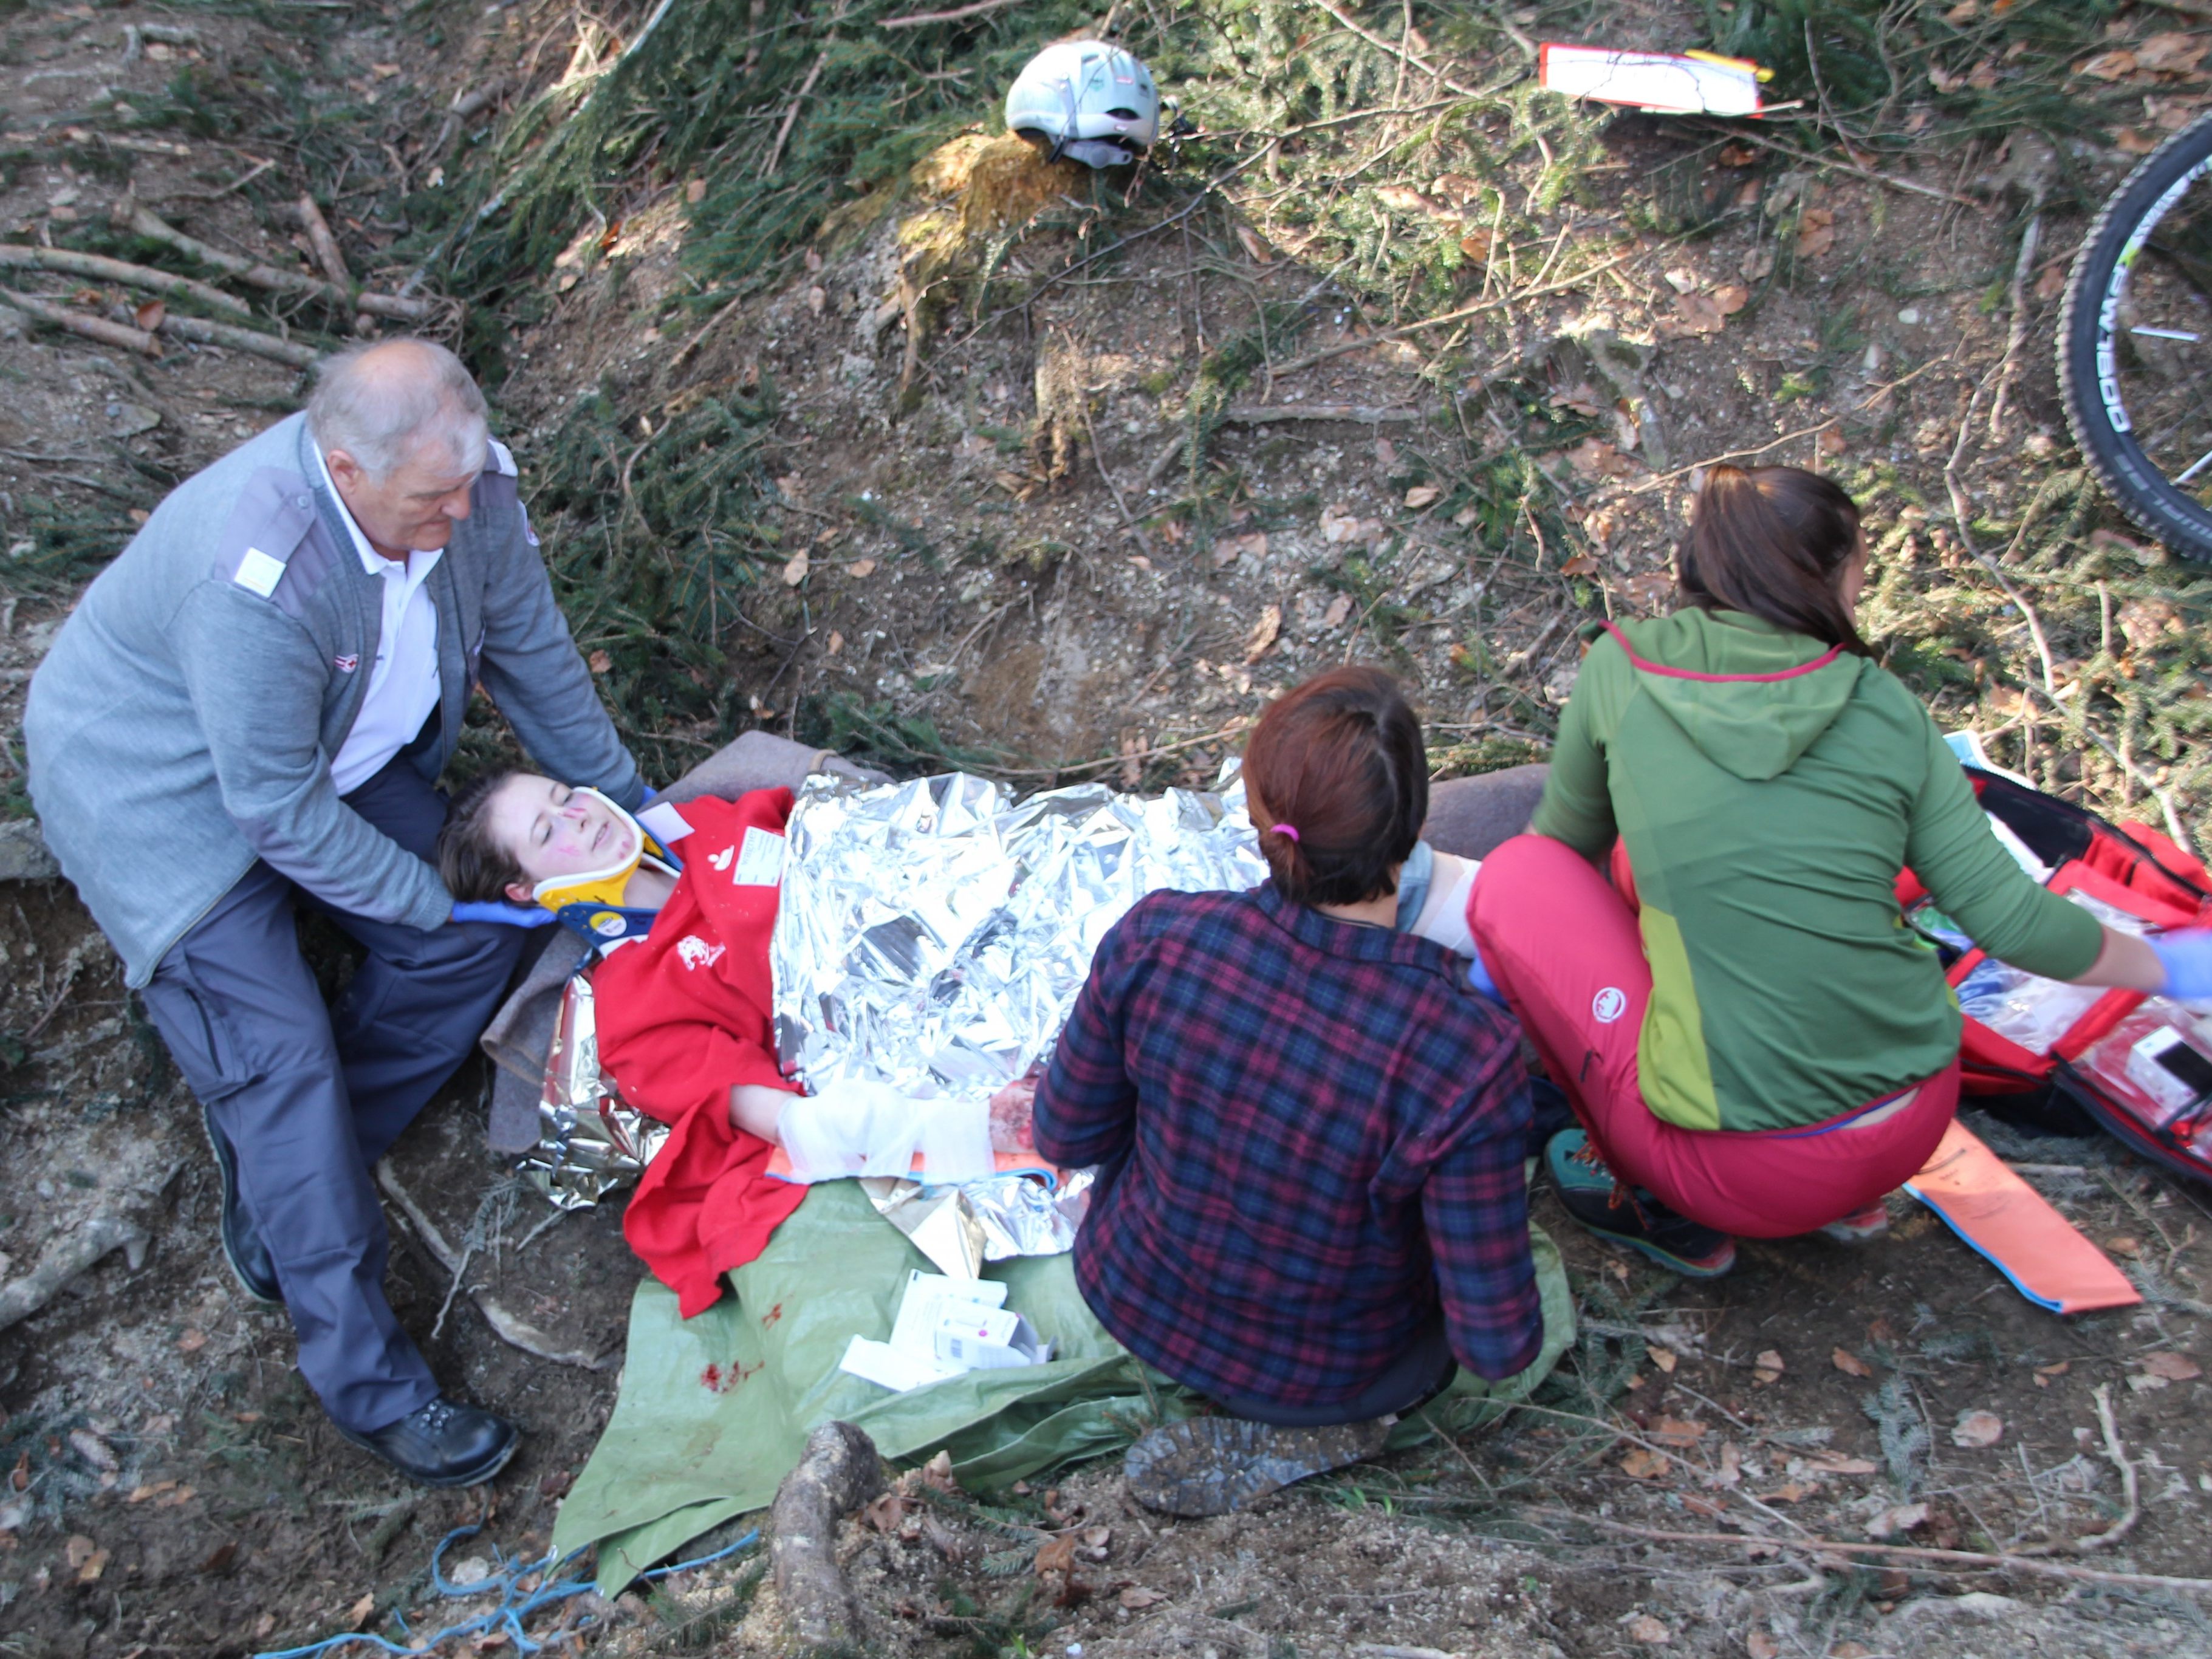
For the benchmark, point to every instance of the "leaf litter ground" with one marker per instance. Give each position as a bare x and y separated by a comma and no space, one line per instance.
838,419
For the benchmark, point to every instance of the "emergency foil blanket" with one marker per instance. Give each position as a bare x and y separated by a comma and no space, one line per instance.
589,1141
932,935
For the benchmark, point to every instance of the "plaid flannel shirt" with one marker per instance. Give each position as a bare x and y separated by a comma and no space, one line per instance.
1309,1136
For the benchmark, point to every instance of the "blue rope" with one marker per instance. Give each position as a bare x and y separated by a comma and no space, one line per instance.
515,1604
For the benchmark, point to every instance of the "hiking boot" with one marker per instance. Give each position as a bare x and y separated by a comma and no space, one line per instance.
1217,1465
1629,1218
442,1444
241,1241
1860,1226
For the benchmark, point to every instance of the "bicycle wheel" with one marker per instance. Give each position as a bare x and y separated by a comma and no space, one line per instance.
2135,343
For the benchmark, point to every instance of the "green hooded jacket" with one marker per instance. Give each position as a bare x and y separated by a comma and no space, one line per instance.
1767,791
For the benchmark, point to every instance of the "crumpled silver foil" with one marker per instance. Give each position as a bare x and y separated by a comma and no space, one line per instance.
589,1142
932,936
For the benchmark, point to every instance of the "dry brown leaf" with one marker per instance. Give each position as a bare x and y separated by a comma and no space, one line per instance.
140,1494
2173,1367
1977,1428
695,191
1757,1644
1649,1631
1768,1366
1649,591
149,315
1662,1357
1137,1596
1407,201
2124,1245
1816,233
1898,1518
1057,1556
861,567
1230,548
1962,13
1641,1464
1581,565
78,1550
1730,298
94,1565
1338,609
816,299
1339,522
795,570
1829,440
362,1609
1421,496
194,1339
1828,1462
1731,1469
836,640
95,1450
1850,1650
1791,1491
1696,313
1678,1431
1593,458
2170,53
2059,1369
1265,633
2128,142
1846,1361
1478,244
2108,66
885,1513
599,662
1256,245
1984,76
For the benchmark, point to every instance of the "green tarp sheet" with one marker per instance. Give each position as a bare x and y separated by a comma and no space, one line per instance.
713,1412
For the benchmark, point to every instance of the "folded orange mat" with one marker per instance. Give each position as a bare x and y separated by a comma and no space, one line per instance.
2039,1250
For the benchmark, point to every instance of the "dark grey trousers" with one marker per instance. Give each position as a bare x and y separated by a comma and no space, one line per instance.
1471,816
311,1096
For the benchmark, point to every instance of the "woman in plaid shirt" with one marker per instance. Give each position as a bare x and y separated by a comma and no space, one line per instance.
1308,1122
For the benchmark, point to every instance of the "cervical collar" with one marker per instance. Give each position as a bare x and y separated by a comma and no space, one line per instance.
604,887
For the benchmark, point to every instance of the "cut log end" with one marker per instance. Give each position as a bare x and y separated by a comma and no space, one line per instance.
839,1471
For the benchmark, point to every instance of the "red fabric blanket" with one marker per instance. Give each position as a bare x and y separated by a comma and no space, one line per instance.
686,1013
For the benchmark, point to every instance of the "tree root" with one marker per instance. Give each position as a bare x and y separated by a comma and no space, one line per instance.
65,1258
839,1471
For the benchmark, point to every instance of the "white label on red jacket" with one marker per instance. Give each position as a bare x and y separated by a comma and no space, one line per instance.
695,952
760,858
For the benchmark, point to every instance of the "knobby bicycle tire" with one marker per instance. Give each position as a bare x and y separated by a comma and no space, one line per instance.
2085,328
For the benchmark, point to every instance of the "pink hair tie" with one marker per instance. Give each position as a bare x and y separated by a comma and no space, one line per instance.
1290,830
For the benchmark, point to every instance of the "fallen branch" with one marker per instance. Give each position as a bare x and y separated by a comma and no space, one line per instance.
103,269
327,252
201,331
915,20
2016,335
2027,1563
1233,729
1911,187
1398,50
64,1259
1121,505
2129,1484
1263,414
791,115
509,1329
91,328
839,1471
256,275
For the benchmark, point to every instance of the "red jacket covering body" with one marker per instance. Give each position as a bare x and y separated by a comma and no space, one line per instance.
684,1014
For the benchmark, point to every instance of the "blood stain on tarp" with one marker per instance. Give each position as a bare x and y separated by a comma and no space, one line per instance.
772,1316
717,1379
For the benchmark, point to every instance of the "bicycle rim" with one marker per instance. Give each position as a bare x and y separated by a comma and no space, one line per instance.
2134,337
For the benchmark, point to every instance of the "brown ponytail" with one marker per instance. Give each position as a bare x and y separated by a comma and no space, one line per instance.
1340,787
1772,543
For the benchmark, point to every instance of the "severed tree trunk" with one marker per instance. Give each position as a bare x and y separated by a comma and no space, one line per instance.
839,1471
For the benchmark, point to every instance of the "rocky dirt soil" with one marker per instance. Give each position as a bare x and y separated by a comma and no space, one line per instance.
991,545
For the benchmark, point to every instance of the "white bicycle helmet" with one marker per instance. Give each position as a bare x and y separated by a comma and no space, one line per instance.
1087,100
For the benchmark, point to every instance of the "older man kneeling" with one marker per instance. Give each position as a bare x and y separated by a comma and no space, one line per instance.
249,708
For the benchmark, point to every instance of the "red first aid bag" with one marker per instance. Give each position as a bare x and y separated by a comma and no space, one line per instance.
2068,1057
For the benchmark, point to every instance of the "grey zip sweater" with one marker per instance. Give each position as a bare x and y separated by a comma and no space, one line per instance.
183,724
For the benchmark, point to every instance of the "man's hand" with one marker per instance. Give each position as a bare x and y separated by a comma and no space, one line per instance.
509,915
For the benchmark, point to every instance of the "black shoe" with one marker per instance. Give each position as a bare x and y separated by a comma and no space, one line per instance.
241,1241
1630,1217
444,1443
1217,1465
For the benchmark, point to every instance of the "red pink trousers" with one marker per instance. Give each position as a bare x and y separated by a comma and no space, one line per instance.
1562,945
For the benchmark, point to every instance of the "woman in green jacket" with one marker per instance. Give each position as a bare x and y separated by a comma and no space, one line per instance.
1754,1041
